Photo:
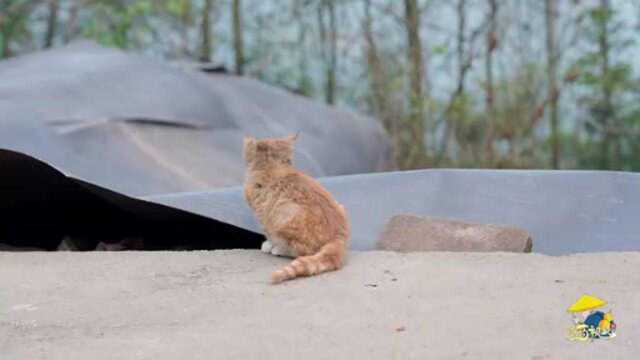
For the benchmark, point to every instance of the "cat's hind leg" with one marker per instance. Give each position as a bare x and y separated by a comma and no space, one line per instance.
281,247
272,247
282,251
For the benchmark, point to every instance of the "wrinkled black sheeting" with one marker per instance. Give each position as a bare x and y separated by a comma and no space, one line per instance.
39,206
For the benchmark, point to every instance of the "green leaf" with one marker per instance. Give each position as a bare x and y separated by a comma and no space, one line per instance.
440,49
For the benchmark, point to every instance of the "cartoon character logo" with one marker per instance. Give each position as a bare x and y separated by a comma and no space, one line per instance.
590,323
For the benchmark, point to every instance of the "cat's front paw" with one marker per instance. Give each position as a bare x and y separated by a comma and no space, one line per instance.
266,247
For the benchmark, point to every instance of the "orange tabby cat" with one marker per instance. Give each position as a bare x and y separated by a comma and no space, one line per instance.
300,218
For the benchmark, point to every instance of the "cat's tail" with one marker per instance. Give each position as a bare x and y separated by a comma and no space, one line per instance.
330,257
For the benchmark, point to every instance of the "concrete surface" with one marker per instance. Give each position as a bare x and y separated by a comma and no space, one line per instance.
383,305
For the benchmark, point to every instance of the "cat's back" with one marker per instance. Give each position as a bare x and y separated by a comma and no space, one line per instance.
304,189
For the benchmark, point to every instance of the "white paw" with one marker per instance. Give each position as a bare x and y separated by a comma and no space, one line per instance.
278,251
266,247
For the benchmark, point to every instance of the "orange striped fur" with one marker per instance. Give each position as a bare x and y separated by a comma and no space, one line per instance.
300,218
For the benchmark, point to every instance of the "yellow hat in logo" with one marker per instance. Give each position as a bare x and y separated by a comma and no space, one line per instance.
586,302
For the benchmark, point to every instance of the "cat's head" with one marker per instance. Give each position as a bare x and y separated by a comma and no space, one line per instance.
259,153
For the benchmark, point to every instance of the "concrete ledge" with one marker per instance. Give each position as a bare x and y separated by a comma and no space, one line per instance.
383,305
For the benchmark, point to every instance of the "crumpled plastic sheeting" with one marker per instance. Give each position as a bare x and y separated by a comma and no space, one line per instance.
41,206
565,211
143,127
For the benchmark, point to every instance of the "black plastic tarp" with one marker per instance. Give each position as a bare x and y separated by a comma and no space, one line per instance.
40,207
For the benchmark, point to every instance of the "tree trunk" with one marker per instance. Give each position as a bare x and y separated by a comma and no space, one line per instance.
186,21
416,147
328,47
5,35
374,68
322,30
71,25
607,110
52,23
304,86
376,74
550,16
238,36
333,53
205,49
492,42
5,51
463,67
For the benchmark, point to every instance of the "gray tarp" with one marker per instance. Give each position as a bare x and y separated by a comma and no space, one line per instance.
143,127
51,105
565,211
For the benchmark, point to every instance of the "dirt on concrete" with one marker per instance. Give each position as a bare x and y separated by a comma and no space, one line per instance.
382,305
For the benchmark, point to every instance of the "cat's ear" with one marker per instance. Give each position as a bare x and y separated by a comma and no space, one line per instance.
293,137
249,141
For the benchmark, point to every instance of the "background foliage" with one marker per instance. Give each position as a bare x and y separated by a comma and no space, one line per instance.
461,83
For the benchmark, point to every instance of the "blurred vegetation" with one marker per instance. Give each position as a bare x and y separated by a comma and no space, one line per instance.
461,83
